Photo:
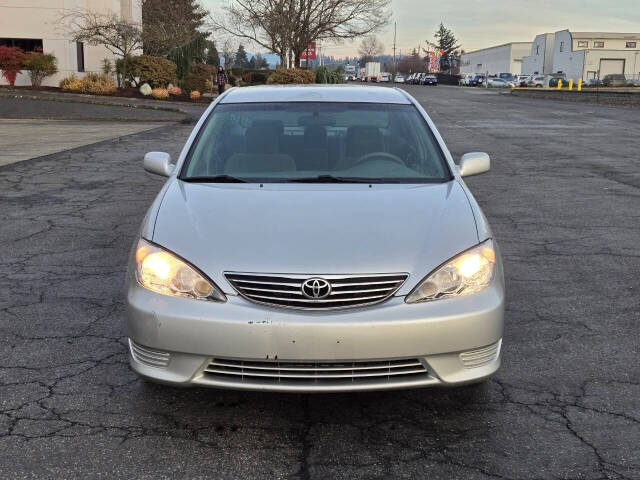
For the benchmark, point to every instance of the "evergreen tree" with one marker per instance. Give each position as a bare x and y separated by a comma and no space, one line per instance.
258,62
445,40
171,24
241,58
212,58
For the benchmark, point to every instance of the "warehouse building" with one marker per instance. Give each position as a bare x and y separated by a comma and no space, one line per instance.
589,55
37,25
505,58
540,62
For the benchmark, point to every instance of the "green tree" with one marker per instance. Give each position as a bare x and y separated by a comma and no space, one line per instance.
212,58
258,62
445,40
241,58
171,24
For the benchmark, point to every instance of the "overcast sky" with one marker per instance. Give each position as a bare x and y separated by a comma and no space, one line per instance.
483,23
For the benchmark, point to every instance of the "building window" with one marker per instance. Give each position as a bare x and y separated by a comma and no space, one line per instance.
537,49
562,46
583,44
598,44
26,44
631,44
80,54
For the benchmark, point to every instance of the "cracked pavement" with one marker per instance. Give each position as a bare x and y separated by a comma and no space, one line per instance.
562,198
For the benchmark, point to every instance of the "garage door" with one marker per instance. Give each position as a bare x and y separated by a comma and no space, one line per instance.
610,66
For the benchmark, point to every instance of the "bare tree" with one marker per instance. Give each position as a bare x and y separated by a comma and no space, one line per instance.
370,47
287,27
263,22
228,50
121,37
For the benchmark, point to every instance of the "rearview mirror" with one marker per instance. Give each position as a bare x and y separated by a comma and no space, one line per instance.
474,163
158,163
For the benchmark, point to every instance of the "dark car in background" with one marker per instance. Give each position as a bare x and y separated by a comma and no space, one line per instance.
478,80
614,80
430,80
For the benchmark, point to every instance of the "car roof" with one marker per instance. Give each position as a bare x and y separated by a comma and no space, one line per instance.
315,93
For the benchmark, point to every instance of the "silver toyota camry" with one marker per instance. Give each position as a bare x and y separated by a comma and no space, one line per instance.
315,239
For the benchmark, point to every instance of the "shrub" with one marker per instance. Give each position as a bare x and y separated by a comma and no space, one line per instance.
255,77
175,91
156,71
233,81
107,66
195,82
325,74
98,84
71,84
40,66
236,71
11,59
160,93
194,95
291,76
203,70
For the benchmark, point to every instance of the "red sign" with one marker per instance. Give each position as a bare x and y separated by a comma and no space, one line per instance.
310,52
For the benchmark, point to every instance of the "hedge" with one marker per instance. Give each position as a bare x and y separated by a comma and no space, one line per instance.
291,76
156,71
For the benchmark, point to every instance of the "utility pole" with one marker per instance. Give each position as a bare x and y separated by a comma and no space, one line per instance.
395,29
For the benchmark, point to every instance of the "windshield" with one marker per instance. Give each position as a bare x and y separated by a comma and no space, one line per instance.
280,142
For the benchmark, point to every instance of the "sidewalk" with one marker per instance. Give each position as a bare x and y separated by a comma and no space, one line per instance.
25,139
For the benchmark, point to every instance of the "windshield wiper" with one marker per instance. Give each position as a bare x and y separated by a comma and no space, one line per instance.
332,179
215,179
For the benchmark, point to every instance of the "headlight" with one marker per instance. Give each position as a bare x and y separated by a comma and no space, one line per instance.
466,273
164,272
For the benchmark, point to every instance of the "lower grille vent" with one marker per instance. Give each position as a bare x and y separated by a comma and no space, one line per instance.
149,357
314,372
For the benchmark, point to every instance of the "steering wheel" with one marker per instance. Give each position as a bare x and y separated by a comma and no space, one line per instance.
370,157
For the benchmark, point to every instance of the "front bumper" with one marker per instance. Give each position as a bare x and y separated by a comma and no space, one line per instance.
456,340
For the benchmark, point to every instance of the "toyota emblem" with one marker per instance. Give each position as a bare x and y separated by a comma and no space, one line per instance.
316,288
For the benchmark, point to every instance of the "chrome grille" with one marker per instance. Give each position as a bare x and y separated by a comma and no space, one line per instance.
248,371
285,290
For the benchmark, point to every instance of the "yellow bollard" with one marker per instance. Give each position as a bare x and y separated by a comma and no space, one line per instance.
571,84
579,84
559,84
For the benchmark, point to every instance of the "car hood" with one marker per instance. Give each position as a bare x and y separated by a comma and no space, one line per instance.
315,228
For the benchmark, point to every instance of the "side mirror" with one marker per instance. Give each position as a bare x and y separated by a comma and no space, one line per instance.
158,163
474,163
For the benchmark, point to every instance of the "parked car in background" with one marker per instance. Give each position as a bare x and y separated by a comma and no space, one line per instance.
478,81
521,80
385,77
500,83
399,79
614,80
430,79
408,293
465,80
536,81
509,77
553,82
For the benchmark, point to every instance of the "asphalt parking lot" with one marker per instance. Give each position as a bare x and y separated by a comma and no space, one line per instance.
563,198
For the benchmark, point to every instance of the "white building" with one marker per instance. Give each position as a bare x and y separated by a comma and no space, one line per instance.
540,61
505,58
37,24
590,55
